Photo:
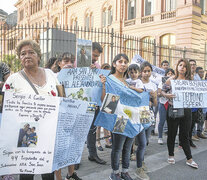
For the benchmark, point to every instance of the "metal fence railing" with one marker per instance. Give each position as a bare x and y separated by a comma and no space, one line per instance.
56,40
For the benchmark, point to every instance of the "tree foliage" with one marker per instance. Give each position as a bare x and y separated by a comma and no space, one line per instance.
13,62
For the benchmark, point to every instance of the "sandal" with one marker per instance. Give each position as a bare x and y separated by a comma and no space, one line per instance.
171,160
192,164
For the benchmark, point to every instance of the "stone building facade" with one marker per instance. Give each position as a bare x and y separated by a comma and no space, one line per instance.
172,23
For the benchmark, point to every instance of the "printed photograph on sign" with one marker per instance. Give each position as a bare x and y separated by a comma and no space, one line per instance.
110,103
91,107
120,124
27,135
145,114
84,53
80,93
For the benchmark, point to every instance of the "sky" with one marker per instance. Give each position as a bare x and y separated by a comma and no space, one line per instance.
8,5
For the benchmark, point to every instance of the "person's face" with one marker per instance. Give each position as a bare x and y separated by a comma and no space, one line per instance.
169,74
113,99
82,51
193,66
54,67
146,73
121,65
65,63
165,66
32,130
29,57
28,131
95,55
134,74
201,73
182,68
26,127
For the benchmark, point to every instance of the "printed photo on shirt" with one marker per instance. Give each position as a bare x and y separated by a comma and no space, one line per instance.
120,124
144,114
109,104
27,135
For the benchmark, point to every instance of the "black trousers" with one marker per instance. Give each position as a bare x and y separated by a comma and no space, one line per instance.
184,124
49,176
91,138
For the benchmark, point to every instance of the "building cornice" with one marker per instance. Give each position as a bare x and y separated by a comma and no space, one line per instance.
18,2
72,2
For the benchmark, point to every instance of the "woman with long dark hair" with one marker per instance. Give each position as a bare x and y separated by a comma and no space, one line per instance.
183,72
120,143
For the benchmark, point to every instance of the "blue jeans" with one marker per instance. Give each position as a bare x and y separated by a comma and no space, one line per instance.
124,144
162,115
148,133
200,128
142,141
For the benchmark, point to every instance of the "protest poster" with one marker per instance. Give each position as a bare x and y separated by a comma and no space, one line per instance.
38,133
84,53
82,83
157,73
189,94
121,109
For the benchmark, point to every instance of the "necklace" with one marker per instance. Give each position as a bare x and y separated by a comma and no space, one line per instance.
38,80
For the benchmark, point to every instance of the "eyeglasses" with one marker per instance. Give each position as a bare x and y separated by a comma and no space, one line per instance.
193,64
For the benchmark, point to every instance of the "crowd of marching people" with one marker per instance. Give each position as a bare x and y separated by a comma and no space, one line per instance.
190,127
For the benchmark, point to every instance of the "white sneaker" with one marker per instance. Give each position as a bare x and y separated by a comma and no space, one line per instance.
141,174
160,141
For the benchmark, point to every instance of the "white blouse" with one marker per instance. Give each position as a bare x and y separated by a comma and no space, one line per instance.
17,83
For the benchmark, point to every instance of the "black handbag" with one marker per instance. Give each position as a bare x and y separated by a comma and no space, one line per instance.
199,116
175,112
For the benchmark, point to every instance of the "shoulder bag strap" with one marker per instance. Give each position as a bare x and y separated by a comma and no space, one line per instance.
31,84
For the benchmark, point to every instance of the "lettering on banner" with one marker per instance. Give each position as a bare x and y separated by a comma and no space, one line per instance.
189,94
70,125
32,107
26,160
82,77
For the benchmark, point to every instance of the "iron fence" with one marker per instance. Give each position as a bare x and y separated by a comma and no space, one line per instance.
112,43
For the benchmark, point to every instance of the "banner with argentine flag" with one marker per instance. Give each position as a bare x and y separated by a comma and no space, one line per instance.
123,111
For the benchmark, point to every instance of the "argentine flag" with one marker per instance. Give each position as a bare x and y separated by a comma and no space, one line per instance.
123,111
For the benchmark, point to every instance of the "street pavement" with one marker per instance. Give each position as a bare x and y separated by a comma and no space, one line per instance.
155,159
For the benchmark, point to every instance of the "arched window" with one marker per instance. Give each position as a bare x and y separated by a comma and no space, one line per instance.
89,19
110,15
107,15
130,48
167,42
104,17
147,48
74,22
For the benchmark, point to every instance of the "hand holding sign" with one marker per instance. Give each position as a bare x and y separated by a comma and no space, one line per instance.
170,96
103,79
